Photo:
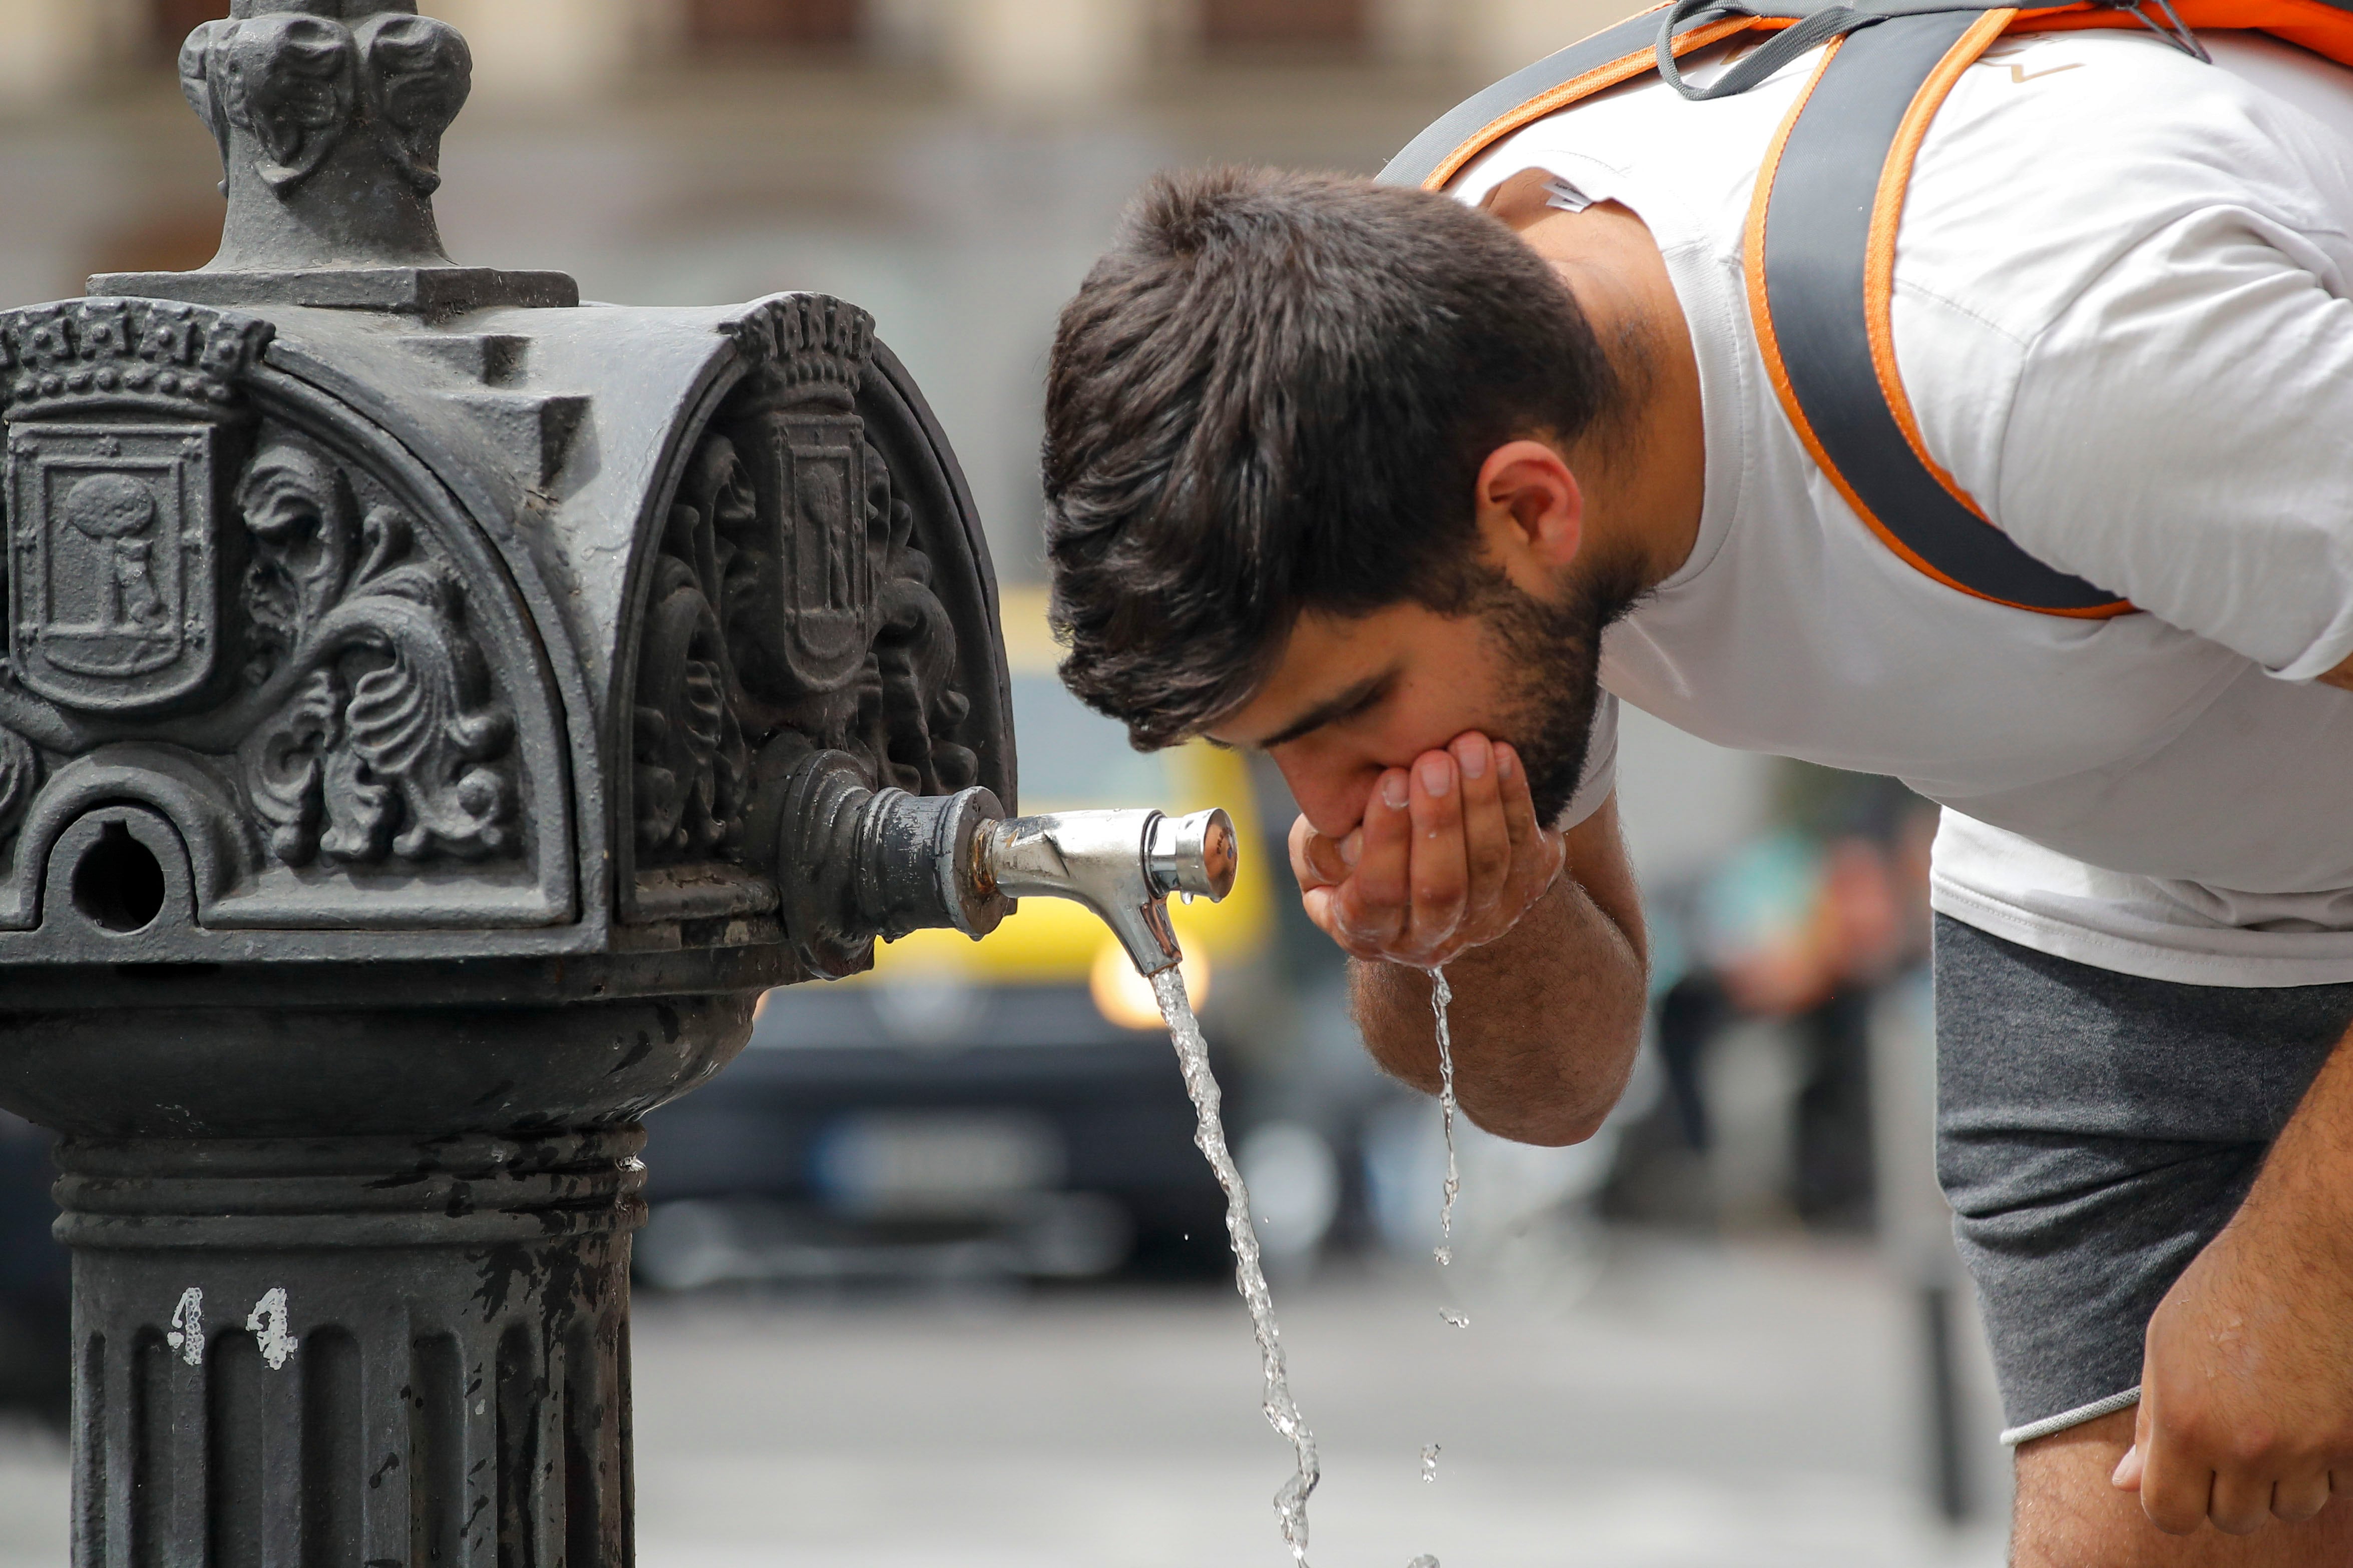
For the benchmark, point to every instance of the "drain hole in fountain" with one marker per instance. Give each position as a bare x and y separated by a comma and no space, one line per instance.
119,883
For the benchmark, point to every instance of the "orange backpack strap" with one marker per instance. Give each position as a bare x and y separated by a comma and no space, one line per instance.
1820,254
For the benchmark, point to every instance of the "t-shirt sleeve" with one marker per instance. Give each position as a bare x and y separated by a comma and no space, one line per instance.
2181,434
1600,766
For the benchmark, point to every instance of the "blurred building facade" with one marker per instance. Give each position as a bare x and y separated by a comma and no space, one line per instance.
1031,53
954,166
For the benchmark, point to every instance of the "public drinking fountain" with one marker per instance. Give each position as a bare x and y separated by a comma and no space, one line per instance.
434,711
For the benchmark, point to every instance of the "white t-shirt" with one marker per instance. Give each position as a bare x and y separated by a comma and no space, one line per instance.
2122,314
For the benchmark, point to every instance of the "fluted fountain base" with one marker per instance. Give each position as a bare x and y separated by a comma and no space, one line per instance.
364,1352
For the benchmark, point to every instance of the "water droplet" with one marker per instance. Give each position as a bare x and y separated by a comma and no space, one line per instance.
1454,1319
1424,1561
1445,1256
1430,1462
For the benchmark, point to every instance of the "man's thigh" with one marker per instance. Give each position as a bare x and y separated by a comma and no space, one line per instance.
2070,1517
2095,1131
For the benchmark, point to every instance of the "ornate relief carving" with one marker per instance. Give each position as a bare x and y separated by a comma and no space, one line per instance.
285,606
297,83
417,73
20,776
921,713
178,361
791,594
692,762
390,745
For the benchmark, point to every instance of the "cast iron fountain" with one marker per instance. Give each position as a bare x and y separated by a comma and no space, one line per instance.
434,711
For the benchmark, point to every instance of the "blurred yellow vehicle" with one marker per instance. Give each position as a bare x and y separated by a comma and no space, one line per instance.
1009,1106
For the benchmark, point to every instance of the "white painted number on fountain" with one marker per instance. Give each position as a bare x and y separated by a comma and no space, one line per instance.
187,1335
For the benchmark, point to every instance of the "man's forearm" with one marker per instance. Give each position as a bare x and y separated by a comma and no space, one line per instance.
1545,1021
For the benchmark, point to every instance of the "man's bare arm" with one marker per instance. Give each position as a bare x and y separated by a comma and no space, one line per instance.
1546,1017
2246,1407
2341,675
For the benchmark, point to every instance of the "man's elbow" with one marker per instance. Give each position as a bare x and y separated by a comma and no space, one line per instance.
1554,1125
1573,1112
1551,1130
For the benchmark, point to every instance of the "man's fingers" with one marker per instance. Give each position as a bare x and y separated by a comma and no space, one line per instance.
1529,837
2127,1473
2240,1504
1372,902
2299,1498
1519,806
2177,1492
1486,835
1536,850
1315,860
1439,873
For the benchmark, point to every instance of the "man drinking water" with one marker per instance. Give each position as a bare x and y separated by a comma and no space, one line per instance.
1410,489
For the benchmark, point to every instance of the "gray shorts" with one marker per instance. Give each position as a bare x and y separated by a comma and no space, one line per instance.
2094,1130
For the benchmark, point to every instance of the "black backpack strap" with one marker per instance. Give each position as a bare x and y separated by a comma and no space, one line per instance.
1821,249
1821,262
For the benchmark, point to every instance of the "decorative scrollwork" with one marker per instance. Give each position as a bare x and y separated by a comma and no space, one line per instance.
296,84
915,666
692,762
20,776
390,745
417,73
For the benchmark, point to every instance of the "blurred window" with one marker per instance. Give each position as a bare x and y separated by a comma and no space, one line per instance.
775,24
1072,757
175,19
1334,26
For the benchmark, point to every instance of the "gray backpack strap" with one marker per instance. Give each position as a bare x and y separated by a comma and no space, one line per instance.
1815,314
1818,320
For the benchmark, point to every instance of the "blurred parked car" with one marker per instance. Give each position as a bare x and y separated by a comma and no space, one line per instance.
1010,1106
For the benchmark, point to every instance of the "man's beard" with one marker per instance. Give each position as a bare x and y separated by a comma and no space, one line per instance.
1552,655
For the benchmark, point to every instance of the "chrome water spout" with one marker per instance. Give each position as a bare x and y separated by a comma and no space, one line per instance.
1123,865
854,863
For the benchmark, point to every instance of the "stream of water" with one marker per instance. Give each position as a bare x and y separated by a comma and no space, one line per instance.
1250,1273
1441,999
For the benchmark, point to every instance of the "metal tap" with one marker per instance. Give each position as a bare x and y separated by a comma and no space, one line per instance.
854,863
1123,865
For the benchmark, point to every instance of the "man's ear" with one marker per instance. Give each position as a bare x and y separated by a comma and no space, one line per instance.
1531,513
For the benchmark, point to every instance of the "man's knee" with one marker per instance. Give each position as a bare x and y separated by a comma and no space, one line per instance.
2069,1516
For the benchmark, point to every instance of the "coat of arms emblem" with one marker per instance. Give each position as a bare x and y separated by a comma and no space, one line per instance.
814,553
826,556
113,580
121,414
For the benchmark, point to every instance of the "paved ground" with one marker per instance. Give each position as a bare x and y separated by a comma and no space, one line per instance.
1700,1406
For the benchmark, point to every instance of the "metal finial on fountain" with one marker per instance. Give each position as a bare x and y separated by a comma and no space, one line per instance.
329,115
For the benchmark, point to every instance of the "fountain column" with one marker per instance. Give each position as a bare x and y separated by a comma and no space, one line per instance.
409,682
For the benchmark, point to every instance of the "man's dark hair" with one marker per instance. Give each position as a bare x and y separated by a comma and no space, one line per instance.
1275,395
